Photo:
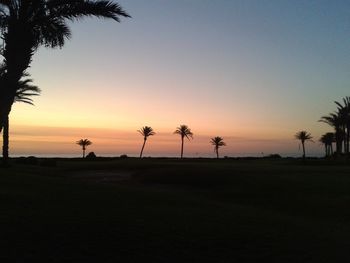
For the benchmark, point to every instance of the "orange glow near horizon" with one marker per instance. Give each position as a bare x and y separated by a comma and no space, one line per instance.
60,141
52,129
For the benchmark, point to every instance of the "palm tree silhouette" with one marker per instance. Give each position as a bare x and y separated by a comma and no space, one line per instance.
23,94
217,142
344,116
335,121
84,143
183,131
25,25
145,131
327,139
303,136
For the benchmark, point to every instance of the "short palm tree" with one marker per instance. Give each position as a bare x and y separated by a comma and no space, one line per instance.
327,139
217,142
145,131
183,131
84,143
335,121
303,136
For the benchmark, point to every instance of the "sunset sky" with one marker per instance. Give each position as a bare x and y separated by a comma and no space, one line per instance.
251,71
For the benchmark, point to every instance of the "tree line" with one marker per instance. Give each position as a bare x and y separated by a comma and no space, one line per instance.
339,120
183,130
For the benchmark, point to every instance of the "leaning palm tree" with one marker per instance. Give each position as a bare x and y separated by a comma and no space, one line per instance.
303,136
217,142
25,25
25,92
84,143
183,131
145,131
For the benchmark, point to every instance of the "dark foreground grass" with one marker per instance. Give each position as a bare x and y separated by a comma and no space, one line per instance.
176,211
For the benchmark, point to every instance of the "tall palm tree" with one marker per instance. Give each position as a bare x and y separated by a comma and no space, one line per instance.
145,131
26,25
335,121
303,136
23,94
217,142
84,143
327,139
183,131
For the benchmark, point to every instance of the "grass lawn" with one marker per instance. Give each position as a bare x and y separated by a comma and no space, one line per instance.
168,210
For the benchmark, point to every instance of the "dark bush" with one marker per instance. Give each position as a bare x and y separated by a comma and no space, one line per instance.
91,155
123,156
273,156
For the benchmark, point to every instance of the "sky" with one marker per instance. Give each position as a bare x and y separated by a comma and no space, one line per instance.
251,71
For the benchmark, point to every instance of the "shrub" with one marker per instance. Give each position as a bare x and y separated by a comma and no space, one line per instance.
274,156
91,155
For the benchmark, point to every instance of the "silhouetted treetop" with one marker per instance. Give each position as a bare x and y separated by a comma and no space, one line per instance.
43,22
303,136
184,131
146,131
84,142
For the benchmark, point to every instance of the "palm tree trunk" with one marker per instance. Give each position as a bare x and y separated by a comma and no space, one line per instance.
347,138
5,143
6,105
217,152
303,150
182,147
344,139
328,150
331,146
143,146
338,141
83,152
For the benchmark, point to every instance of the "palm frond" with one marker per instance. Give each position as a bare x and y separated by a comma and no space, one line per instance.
76,9
84,142
25,91
217,141
146,131
53,33
303,136
184,131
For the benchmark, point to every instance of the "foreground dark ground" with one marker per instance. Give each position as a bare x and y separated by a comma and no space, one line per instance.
163,210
